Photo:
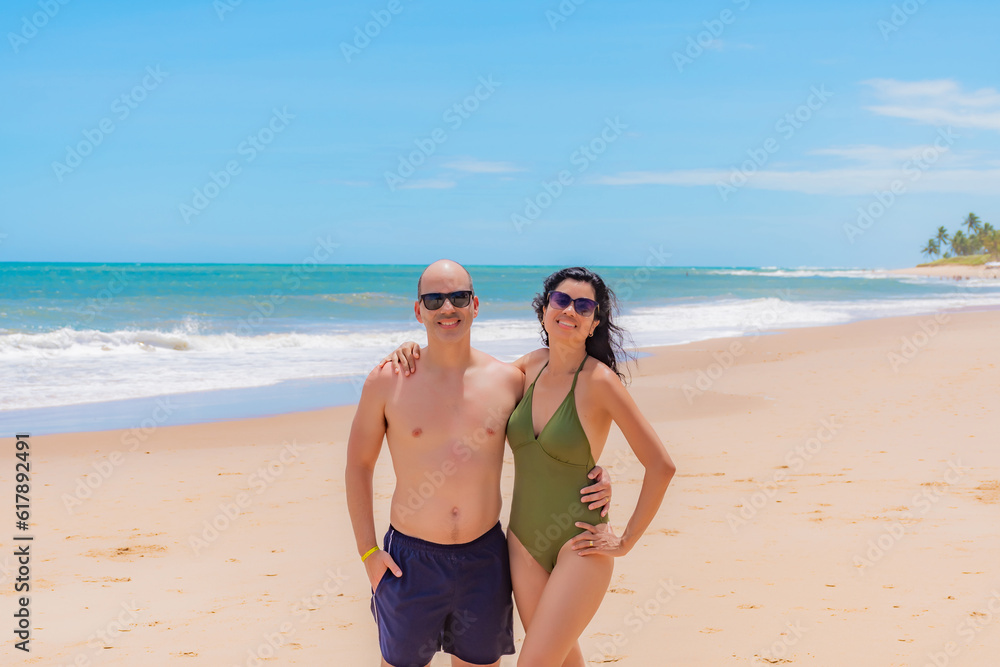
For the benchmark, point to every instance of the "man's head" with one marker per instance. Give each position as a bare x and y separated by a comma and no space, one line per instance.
447,322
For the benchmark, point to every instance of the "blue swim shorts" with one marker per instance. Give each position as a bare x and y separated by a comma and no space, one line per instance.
451,597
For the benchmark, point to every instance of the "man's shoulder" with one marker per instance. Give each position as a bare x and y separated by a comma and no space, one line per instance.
494,367
380,380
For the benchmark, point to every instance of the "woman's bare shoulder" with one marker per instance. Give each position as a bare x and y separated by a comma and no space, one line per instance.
532,361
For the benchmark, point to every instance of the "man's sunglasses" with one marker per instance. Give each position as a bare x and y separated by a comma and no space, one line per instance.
434,300
561,300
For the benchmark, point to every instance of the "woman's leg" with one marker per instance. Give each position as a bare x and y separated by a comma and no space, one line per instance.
527,577
568,602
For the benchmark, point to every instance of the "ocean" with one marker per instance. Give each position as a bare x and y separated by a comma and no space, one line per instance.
85,346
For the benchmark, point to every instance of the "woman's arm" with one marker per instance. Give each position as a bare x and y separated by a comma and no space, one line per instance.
405,356
535,356
659,469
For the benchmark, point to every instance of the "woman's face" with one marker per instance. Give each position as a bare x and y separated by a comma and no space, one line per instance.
565,324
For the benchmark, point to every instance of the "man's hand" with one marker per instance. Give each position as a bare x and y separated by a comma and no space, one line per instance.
377,564
599,493
404,356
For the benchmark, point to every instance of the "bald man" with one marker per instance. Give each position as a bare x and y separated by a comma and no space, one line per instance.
450,587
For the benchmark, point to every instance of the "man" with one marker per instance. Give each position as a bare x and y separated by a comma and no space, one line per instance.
450,587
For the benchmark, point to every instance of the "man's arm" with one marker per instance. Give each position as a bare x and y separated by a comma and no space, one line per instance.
363,447
598,494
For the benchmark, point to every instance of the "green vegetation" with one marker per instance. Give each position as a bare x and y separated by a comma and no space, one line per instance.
964,260
978,244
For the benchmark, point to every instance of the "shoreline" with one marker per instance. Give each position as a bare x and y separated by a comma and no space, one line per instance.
816,487
295,396
950,272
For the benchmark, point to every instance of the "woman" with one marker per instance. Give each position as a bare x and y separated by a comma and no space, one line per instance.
561,554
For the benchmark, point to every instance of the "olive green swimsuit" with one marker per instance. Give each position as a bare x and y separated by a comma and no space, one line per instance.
549,471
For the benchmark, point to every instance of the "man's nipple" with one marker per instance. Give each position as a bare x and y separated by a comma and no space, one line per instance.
417,431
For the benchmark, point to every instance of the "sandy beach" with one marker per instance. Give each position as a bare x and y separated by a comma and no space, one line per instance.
949,272
837,502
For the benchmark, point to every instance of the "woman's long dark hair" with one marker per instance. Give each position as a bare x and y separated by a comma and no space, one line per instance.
607,343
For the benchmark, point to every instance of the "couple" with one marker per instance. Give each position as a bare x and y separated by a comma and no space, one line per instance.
444,574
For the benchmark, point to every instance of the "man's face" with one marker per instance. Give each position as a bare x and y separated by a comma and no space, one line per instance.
447,323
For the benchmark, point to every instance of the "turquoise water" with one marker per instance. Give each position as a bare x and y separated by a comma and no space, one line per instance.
73,334
215,298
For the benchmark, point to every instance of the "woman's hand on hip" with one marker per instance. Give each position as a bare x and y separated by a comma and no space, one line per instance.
598,540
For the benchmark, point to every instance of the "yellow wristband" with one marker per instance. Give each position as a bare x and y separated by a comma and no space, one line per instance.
369,553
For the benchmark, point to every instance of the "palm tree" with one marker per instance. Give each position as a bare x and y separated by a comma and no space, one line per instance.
984,233
992,243
972,223
959,243
931,248
942,235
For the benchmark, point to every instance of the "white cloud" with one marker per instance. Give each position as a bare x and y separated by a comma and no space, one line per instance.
482,166
937,102
885,156
350,184
721,45
428,184
922,168
850,181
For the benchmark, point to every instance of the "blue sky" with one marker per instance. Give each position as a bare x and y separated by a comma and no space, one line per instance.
726,133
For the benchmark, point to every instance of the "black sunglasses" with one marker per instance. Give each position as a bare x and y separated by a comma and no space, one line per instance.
583,307
434,300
